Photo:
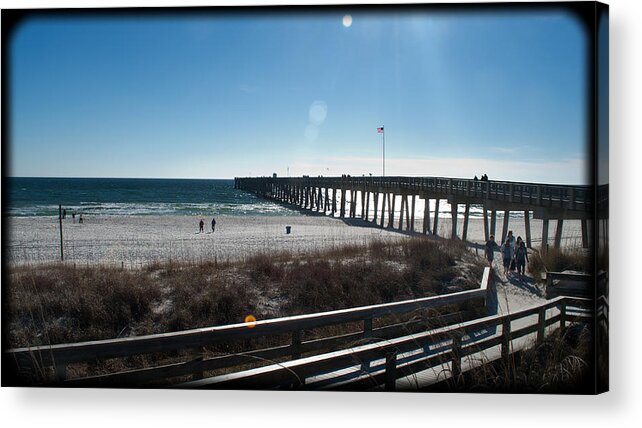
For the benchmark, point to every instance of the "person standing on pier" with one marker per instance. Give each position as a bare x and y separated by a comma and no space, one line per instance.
213,223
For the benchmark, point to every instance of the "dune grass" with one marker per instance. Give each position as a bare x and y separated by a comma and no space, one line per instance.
559,260
49,304
560,364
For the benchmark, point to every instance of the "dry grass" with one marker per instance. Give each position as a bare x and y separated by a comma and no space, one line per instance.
56,304
560,364
559,260
63,303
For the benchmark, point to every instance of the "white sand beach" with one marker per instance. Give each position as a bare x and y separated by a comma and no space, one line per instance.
137,240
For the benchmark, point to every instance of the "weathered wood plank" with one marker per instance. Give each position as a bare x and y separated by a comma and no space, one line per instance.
436,219
544,235
453,213
558,232
464,233
505,227
527,225
426,225
486,231
412,213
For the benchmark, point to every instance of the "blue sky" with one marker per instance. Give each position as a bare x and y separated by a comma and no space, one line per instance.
234,95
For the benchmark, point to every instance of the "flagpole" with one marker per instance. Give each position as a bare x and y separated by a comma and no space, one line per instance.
383,137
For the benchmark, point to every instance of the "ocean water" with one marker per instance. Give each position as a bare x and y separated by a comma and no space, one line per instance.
125,196
128,196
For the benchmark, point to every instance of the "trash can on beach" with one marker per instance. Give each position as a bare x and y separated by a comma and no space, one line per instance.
288,229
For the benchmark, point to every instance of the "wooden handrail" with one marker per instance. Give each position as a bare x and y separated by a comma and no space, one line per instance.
312,366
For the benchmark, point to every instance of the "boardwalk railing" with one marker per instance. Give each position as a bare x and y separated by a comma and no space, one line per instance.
378,322
448,347
569,284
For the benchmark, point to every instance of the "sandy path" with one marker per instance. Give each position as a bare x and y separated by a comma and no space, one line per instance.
515,293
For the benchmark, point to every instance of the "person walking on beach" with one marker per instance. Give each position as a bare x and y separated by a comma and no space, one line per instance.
521,257
80,219
213,223
519,239
511,238
507,256
489,249
201,224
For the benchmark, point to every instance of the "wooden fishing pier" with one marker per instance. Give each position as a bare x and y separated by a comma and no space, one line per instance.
339,196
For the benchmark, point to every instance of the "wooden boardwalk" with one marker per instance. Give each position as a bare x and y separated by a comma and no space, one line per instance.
402,345
414,361
376,197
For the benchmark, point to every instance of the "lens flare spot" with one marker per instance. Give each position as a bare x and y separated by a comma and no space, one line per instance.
318,112
347,21
250,320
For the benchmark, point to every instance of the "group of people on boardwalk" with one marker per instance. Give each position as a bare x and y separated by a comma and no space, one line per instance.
201,225
484,177
513,251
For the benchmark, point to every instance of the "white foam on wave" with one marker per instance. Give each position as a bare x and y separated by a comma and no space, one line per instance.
154,208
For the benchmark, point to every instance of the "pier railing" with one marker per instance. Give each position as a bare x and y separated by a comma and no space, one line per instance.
540,195
378,322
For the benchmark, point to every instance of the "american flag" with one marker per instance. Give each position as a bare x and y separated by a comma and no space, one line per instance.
380,130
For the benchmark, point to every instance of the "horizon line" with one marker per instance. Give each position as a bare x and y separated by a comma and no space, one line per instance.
294,176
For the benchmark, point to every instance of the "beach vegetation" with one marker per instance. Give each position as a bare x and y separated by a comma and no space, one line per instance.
559,260
560,364
65,303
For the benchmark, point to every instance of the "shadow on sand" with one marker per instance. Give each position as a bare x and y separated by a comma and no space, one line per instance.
526,283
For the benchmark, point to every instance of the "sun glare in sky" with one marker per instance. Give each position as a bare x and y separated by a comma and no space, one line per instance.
227,95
